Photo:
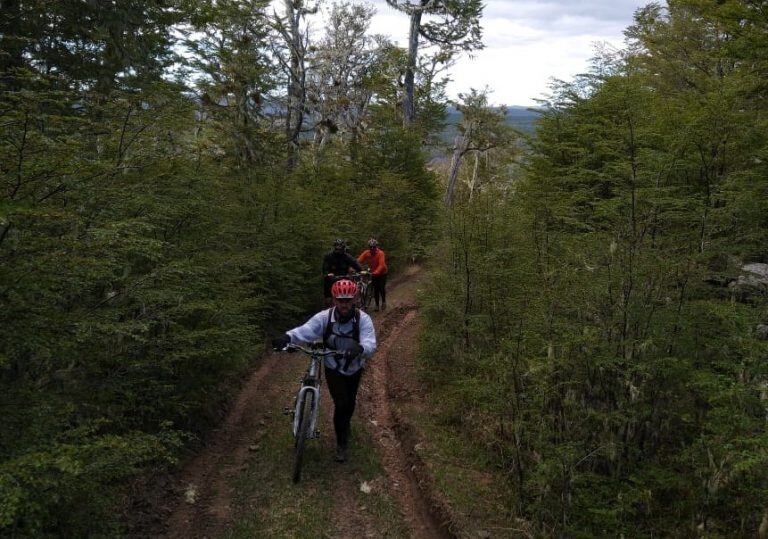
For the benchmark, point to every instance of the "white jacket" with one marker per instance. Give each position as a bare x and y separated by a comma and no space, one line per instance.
341,338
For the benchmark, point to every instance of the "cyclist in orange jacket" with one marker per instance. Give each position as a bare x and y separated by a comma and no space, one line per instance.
375,258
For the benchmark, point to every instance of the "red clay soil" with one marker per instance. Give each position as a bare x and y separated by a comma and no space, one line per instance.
206,477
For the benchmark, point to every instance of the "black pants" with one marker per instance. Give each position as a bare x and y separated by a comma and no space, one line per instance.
379,283
343,391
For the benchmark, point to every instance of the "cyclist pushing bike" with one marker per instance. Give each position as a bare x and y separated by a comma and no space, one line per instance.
374,257
336,264
349,330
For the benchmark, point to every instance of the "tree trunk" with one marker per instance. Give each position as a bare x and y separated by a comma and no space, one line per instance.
473,183
461,143
294,118
409,104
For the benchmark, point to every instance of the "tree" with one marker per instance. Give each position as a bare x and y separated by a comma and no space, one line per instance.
340,79
292,57
456,27
229,51
632,374
482,128
93,45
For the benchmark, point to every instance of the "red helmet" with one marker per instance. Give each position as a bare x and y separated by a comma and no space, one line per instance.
344,289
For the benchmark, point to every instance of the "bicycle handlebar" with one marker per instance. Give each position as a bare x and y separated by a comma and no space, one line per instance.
341,276
310,351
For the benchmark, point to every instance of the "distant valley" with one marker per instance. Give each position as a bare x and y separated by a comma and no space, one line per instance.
519,117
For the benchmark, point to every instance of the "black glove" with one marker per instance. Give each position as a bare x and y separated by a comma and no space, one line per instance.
278,343
348,355
355,351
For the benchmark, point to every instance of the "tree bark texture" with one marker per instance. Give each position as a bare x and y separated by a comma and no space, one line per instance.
461,143
409,103
296,81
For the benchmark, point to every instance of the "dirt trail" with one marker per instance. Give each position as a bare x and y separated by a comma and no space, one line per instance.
205,509
203,504
417,508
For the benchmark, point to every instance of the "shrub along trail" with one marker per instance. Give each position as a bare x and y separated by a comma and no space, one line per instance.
239,485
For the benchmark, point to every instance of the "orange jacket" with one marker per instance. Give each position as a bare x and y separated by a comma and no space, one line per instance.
375,261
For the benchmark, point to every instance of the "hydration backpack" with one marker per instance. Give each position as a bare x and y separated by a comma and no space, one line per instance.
329,327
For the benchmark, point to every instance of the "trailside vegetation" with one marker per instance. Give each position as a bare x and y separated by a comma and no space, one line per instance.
596,327
161,210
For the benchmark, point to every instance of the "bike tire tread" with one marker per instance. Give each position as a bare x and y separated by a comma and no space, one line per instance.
302,435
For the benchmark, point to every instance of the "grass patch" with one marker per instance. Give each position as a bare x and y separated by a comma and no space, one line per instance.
268,504
379,505
480,498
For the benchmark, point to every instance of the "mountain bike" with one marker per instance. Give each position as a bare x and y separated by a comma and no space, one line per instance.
306,408
364,289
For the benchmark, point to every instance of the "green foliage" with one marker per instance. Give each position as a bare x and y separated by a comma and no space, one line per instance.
455,24
61,486
151,237
90,45
592,293
397,153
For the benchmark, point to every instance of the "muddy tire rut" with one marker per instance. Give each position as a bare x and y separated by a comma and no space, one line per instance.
204,504
420,509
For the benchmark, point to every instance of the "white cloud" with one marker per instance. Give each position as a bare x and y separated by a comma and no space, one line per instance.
518,75
527,43
614,10
501,33
390,23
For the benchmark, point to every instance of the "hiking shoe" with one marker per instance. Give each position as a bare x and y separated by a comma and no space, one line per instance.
341,454
376,308
383,305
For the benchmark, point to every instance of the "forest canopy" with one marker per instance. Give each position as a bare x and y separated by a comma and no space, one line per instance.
171,174
605,308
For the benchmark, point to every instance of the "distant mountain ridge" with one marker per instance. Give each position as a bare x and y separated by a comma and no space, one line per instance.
519,117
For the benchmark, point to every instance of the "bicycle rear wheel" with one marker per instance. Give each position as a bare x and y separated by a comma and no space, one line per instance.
302,434
367,296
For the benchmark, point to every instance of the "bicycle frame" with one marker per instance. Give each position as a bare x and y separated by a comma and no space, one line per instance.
305,412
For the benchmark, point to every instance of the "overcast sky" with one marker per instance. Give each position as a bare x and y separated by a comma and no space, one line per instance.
527,42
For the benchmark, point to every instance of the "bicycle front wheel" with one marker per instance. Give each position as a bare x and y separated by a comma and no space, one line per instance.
302,434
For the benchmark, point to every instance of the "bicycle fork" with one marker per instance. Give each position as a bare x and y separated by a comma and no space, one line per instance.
302,395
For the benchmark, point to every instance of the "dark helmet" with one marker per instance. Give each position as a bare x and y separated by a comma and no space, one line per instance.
339,244
373,243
